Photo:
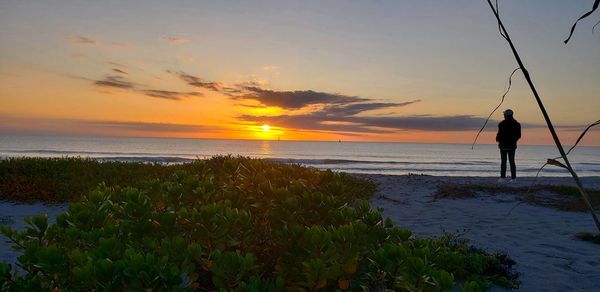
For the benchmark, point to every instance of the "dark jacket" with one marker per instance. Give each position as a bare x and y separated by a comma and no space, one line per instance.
509,132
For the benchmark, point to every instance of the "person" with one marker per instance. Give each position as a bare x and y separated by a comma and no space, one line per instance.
509,132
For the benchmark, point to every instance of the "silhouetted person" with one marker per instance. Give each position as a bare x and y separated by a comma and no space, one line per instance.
509,132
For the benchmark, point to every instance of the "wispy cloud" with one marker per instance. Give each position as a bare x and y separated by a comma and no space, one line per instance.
199,82
120,82
77,39
149,126
114,81
175,40
84,40
172,95
22,125
117,70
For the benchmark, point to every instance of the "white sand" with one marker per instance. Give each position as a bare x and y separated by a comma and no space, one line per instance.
539,239
13,215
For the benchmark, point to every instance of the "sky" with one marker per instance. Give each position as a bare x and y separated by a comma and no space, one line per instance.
405,71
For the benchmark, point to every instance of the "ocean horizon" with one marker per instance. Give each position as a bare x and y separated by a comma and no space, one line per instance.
391,158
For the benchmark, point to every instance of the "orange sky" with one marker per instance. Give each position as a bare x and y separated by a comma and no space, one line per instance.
311,71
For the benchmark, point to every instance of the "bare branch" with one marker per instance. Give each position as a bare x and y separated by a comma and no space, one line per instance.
596,4
497,107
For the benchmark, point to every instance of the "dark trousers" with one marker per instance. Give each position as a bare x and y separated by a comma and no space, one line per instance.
511,159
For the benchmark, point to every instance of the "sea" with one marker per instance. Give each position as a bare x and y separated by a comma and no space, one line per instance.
354,157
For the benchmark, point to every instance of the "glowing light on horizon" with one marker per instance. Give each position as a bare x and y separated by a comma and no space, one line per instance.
266,128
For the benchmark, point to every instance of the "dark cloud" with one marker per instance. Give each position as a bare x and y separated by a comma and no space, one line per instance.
576,128
115,81
422,122
121,83
317,121
290,100
337,112
199,82
295,99
81,40
310,122
117,70
172,95
345,110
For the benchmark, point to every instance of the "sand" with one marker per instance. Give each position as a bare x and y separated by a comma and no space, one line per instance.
539,239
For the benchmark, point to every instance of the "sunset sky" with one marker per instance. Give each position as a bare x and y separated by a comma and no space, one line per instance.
415,71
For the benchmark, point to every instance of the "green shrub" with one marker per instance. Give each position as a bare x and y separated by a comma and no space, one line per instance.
236,224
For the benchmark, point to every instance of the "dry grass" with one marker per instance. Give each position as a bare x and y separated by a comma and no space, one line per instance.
565,198
586,236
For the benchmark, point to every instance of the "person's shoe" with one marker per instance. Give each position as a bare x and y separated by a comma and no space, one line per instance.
512,180
502,180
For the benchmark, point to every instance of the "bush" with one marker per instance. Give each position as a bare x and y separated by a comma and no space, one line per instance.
238,224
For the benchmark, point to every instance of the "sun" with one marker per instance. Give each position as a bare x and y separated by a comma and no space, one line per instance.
266,128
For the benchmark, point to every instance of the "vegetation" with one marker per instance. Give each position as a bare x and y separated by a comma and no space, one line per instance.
586,236
227,223
561,197
66,179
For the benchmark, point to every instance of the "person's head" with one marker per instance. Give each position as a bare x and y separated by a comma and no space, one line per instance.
508,114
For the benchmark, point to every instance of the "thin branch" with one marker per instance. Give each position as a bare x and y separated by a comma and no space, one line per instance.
596,4
497,107
594,27
499,28
583,134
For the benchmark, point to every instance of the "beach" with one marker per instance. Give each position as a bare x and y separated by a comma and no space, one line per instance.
539,238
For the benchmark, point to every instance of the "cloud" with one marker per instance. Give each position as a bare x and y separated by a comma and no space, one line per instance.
172,95
289,100
149,126
81,40
117,70
310,122
114,81
344,110
176,40
295,99
331,111
199,82
58,126
317,121
120,82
